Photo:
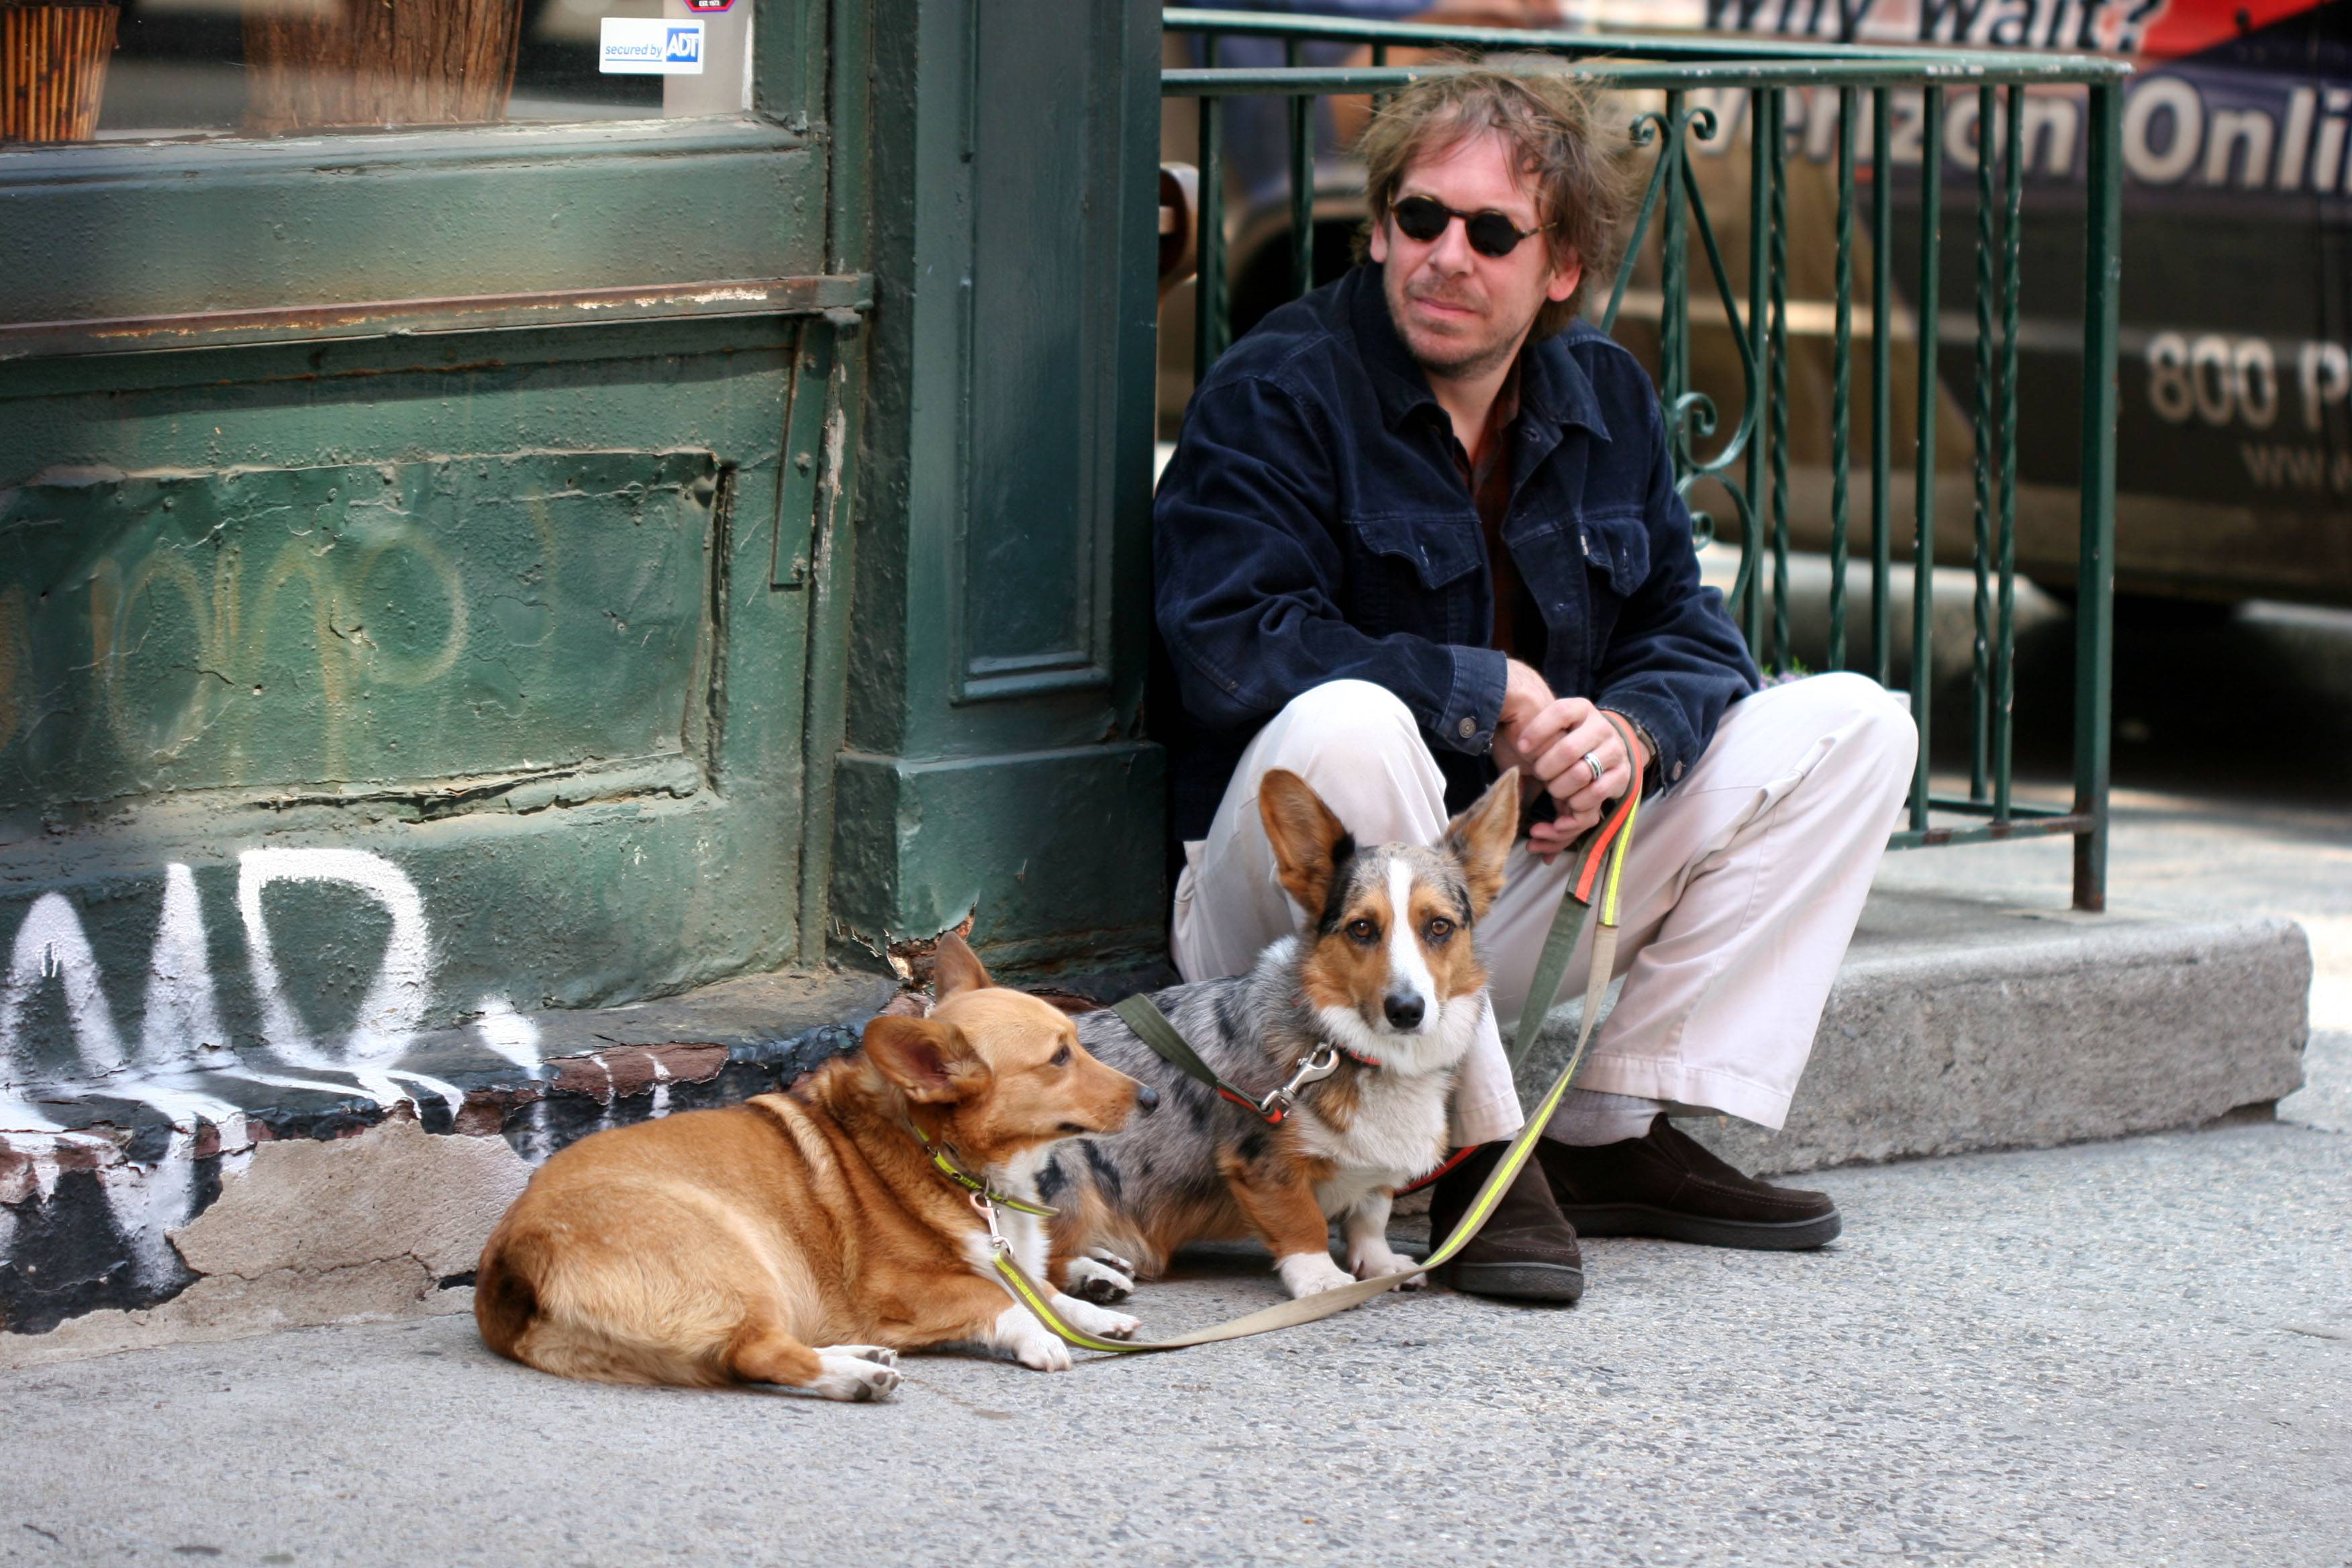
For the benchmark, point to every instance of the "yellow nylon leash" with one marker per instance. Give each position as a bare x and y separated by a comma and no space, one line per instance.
1595,890
954,1169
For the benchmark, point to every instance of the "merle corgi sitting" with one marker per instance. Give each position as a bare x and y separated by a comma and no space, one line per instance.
1388,973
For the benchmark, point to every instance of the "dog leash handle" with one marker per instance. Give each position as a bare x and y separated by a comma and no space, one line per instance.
1602,850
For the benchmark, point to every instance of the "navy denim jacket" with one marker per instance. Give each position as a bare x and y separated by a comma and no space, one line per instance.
1313,526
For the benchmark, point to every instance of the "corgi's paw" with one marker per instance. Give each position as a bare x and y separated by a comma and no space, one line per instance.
1310,1273
858,1374
1102,1278
1372,1260
1110,1259
1029,1341
1092,1319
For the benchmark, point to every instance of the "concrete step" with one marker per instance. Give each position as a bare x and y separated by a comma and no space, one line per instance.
1959,1023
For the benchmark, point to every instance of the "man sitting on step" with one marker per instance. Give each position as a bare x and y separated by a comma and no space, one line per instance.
1423,524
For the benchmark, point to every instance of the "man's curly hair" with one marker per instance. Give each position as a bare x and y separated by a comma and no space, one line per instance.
1578,173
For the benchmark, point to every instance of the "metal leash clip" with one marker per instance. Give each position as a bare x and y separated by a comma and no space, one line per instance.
1312,1068
996,1238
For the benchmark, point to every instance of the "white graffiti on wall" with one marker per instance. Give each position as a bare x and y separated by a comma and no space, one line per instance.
181,1030
394,1005
181,1034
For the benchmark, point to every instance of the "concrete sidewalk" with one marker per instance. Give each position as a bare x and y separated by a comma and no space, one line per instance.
2134,1352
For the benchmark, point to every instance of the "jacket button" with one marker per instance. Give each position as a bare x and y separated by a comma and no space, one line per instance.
1468,728
1678,769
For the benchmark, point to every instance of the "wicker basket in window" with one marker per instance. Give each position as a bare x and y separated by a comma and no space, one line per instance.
53,68
379,62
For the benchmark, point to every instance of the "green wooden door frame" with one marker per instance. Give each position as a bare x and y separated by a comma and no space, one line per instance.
995,765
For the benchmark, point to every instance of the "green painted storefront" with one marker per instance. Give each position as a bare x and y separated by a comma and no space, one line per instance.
447,571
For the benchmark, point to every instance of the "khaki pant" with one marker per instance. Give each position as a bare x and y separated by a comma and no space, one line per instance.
1738,897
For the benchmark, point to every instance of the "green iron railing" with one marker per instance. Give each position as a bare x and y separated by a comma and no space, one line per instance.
1750,466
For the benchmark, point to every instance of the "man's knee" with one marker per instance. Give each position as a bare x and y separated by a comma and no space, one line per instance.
1342,721
1868,734
1871,721
1356,745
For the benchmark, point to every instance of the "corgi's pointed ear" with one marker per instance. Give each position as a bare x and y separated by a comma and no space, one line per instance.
955,970
1309,843
1481,839
930,1060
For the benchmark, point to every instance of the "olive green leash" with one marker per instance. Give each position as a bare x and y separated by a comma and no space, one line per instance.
1595,891
1152,1027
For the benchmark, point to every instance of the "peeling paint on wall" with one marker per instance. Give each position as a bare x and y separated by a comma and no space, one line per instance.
182,1055
107,1151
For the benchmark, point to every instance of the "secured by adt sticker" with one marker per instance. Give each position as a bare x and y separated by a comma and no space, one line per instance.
650,45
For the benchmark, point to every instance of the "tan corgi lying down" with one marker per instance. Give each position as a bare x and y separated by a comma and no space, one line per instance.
805,1239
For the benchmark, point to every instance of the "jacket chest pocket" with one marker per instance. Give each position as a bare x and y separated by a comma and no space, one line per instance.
1617,546
1616,551
1418,574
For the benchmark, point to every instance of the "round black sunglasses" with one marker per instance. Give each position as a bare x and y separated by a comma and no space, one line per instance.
1424,218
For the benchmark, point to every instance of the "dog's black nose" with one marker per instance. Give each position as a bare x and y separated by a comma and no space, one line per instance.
1146,1099
1404,1012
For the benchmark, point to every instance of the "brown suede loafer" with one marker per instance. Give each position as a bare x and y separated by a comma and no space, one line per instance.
1667,1183
1525,1251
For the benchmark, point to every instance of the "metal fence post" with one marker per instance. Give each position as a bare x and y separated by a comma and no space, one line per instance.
1302,180
1674,271
1923,475
1841,374
1882,385
1763,131
2095,581
1209,289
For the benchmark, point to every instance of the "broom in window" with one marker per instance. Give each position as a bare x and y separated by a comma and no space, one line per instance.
53,68
379,63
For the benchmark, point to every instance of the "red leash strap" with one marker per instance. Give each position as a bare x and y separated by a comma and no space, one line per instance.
1596,855
1273,1118
1450,1161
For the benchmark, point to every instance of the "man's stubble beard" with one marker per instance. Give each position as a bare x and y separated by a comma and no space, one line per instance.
1469,366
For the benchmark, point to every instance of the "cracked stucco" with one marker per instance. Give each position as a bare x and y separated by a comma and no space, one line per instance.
394,1191
309,1233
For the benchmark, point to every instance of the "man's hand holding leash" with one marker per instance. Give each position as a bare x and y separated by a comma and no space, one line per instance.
1564,746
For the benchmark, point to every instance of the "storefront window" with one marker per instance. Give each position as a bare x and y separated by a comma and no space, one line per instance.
75,71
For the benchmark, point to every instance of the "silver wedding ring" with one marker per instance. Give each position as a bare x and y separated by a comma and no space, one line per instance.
1593,760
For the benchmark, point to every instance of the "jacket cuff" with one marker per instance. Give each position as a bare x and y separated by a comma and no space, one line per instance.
1661,723
1649,743
1474,703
